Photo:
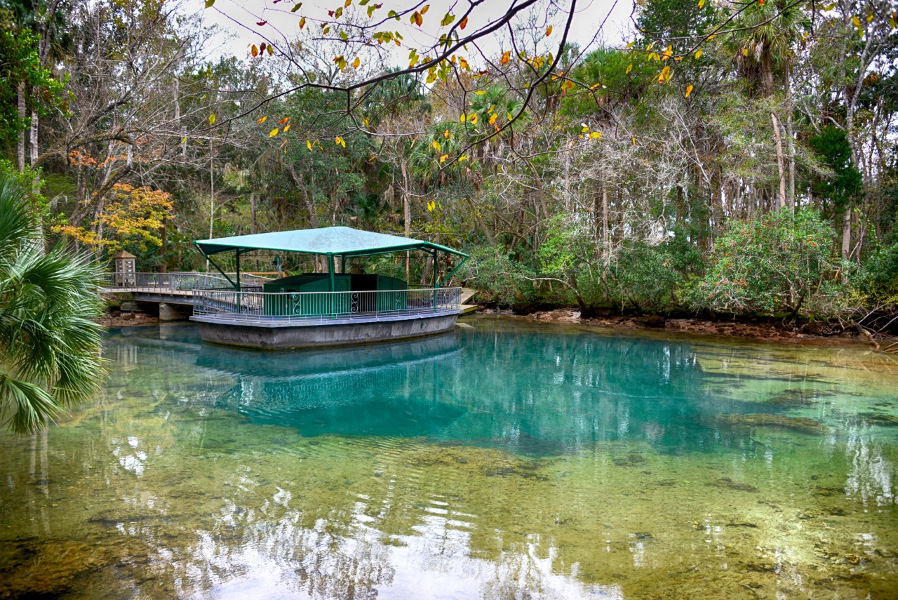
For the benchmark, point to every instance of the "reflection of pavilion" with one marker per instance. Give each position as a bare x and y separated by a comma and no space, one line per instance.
351,391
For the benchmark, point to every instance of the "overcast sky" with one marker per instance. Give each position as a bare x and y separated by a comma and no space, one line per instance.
237,18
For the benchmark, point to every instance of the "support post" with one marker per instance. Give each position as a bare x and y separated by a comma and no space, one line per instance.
217,268
464,259
435,264
237,252
330,270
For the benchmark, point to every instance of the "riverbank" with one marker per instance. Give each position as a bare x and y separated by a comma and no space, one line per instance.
769,331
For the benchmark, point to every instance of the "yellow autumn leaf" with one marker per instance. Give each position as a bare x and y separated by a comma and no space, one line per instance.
273,132
302,22
856,21
436,146
595,85
629,68
446,134
463,117
340,141
493,118
356,62
480,92
473,119
689,89
462,158
286,128
584,129
595,135
261,120
665,75
184,140
745,52
254,51
506,56
309,145
463,64
634,140
698,53
443,158
212,119
701,3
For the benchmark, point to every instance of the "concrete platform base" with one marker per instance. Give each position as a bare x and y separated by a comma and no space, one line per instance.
282,335
172,312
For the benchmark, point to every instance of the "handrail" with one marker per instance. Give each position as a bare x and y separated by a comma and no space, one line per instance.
177,281
253,306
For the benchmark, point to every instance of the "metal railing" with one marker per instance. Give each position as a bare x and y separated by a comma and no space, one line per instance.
324,306
178,281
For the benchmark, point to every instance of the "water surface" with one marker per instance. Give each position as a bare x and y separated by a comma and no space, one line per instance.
505,460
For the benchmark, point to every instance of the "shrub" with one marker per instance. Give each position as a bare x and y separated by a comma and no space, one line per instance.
773,263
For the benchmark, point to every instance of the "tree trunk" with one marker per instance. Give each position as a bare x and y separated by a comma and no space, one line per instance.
164,235
406,215
779,160
606,234
20,145
846,233
252,212
36,182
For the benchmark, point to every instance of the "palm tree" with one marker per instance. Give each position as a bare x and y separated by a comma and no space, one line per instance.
49,339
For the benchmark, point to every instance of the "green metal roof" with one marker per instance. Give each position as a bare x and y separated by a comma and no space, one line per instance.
337,241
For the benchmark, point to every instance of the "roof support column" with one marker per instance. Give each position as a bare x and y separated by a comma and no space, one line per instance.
330,271
436,254
237,252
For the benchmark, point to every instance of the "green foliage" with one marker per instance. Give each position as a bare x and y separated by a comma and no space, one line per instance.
646,277
879,276
772,263
49,341
494,271
20,63
845,185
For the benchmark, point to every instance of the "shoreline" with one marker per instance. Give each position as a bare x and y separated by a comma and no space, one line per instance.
756,331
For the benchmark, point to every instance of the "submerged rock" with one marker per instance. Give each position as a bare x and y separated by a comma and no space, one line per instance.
801,424
726,482
796,398
880,419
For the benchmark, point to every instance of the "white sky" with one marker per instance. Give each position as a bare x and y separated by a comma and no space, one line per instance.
232,15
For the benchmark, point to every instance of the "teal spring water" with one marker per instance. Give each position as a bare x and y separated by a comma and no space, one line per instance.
504,460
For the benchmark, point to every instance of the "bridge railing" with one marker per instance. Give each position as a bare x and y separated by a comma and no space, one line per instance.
178,281
319,306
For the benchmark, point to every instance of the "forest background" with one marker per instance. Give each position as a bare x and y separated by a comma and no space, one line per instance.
728,157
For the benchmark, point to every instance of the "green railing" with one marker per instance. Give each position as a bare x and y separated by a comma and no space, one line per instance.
183,281
304,306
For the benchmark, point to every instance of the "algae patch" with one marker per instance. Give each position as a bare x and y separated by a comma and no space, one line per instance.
801,424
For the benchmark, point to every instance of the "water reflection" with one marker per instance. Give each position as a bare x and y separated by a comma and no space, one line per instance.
498,389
